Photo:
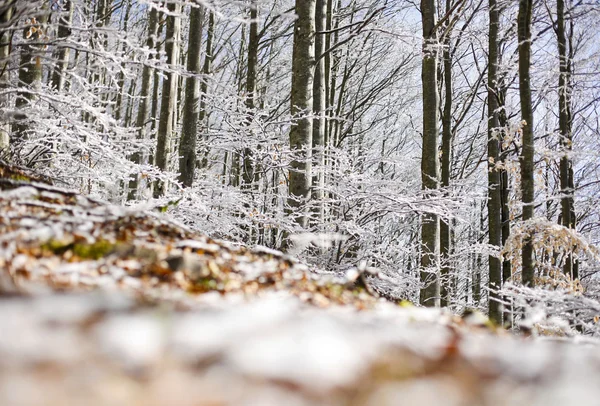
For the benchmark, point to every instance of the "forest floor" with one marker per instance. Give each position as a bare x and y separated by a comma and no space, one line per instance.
105,305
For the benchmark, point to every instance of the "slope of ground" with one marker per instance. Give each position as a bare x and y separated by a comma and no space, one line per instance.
102,305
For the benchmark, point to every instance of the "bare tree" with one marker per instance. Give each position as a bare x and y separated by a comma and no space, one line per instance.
5,48
251,78
319,106
566,136
206,71
169,93
527,153
303,61
143,114
445,226
62,62
191,108
31,69
493,151
430,227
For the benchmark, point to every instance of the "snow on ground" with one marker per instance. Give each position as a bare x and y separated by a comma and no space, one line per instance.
103,306
106,348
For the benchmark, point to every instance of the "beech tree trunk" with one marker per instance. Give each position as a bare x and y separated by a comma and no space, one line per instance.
303,61
143,114
430,228
501,91
251,76
494,183
191,109
319,107
99,39
566,136
235,175
527,153
31,70
445,229
5,47
169,94
154,114
121,76
206,71
64,31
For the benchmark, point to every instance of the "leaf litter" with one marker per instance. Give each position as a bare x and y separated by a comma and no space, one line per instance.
104,305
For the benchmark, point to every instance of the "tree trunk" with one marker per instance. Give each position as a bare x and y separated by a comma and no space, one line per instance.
169,94
566,137
476,283
251,74
332,60
129,104
319,110
62,62
303,61
501,90
5,47
328,67
191,109
526,158
446,162
103,14
31,70
121,75
237,153
206,70
494,183
143,115
156,84
430,230
505,192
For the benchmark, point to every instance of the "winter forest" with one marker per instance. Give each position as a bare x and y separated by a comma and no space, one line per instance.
449,150
300,202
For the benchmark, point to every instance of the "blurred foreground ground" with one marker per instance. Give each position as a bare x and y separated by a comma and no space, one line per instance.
101,305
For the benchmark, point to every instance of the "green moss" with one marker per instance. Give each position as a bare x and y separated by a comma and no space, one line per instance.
58,247
335,289
207,284
95,250
20,178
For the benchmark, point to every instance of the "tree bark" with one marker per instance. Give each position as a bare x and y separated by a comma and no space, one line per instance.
430,229
251,77
566,137
328,67
121,75
446,162
5,49
191,109
501,91
31,70
527,154
154,113
169,94
303,61
319,110
494,182
64,31
206,71
143,114
103,15
332,67
505,195
235,176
